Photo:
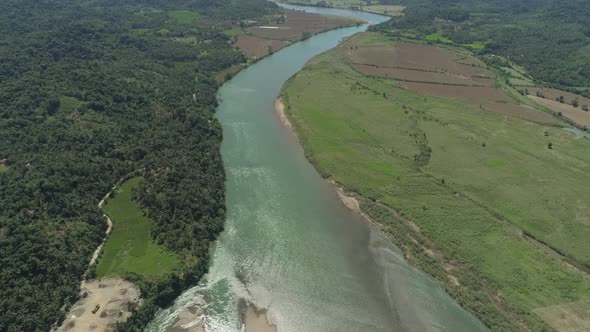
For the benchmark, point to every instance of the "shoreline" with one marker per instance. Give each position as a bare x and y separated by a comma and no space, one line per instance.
345,197
295,3
253,319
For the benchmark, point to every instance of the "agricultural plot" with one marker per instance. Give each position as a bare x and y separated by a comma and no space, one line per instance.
575,114
262,40
254,47
368,6
413,75
471,194
556,95
389,10
299,24
130,247
437,72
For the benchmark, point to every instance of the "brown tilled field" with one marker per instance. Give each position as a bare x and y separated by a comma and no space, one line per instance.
438,72
553,94
575,114
299,23
254,47
413,75
417,56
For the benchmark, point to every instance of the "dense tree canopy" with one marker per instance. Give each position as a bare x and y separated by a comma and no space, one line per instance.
90,91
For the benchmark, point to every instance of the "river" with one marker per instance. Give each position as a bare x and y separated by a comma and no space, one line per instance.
290,246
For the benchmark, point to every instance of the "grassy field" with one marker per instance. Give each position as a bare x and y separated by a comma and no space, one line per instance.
456,187
185,16
438,37
130,247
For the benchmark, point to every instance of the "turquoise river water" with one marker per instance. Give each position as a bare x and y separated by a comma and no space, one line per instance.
290,246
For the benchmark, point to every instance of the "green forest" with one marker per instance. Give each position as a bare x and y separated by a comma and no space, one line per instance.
550,38
91,91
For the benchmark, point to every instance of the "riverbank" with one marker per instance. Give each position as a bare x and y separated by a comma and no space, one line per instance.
257,42
387,10
393,146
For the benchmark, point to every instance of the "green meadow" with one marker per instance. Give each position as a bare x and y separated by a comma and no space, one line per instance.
130,247
472,181
185,16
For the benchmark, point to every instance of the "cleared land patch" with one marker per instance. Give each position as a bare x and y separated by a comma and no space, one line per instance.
455,186
130,247
554,94
261,40
254,47
414,75
102,304
299,24
389,10
420,57
576,114
438,72
185,16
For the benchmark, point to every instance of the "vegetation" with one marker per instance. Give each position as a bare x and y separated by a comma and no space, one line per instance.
184,16
549,38
130,247
464,192
90,91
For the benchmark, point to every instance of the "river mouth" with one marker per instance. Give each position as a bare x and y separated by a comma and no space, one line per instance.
290,248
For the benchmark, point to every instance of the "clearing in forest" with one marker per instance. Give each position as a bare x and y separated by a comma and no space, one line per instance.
185,16
261,40
457,186
130,247
298,24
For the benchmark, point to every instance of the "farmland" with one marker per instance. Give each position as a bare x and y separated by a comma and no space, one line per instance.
575,114
130,247
254,47
368,6
279,31
555,95
436,72
483,193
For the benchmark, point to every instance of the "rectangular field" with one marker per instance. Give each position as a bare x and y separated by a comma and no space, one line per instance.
254,47
300,24
413,75
576,114
553,94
